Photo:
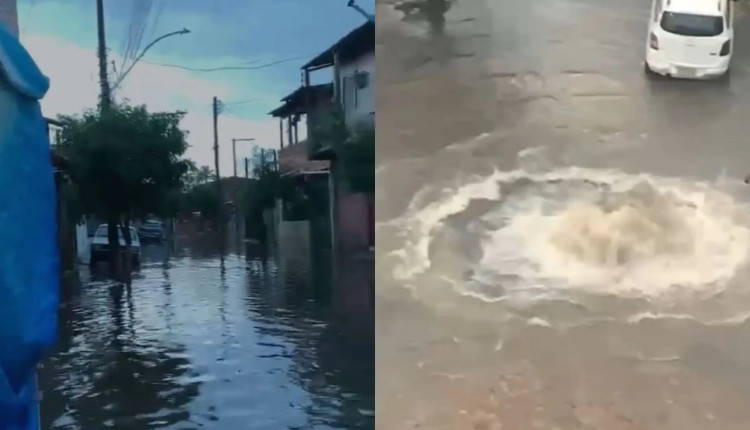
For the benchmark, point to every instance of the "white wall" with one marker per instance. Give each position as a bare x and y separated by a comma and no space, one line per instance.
364,107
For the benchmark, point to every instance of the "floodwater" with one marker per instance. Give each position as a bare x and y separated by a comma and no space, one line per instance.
565,238
240,341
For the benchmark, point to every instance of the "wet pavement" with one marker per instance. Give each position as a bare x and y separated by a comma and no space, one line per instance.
240,341
565,238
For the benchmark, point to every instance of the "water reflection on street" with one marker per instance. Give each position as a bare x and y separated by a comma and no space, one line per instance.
202,340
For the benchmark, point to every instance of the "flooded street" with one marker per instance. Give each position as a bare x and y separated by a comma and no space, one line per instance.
565,238
240,341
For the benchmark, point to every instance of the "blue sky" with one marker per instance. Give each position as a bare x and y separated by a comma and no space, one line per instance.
61,35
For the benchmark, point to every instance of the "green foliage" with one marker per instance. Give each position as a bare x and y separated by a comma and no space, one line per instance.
125,161
354,149
197,176
330,127
357,160
201,198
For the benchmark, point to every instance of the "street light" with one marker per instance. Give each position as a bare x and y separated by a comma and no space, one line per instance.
138,58
234,150
352,4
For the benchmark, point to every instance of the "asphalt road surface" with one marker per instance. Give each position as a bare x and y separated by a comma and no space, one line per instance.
562,241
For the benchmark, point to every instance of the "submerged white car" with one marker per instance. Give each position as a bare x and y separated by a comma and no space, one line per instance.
100,245
691,39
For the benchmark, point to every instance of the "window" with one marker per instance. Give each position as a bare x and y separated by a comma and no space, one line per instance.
686,24
362,79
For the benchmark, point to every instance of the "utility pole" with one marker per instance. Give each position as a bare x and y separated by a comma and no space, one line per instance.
234,156
105,96
216,157
105,103
235,195
247,170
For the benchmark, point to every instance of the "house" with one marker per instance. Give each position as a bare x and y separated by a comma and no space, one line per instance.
313,161
306,216
352,61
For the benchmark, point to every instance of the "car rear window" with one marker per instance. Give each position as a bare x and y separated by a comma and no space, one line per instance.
686,24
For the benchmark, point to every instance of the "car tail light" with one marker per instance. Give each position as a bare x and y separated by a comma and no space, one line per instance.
653,42
726,48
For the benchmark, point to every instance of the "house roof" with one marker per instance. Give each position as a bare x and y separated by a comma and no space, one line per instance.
359,41
295,102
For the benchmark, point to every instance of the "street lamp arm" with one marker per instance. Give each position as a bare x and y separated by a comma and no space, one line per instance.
352,4
143,52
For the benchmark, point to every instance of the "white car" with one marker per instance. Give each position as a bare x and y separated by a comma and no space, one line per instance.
100,245
690,39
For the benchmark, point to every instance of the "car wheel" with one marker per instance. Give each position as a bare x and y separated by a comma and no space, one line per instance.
648,71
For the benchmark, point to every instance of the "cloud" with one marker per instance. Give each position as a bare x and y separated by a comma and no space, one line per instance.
74,87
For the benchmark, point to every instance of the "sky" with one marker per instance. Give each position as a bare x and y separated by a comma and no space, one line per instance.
61,35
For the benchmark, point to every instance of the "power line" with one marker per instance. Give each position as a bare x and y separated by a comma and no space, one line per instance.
217,69
242,102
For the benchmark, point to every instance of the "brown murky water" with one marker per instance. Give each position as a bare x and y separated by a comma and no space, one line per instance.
562,242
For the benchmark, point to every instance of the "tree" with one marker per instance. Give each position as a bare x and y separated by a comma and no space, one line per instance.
196,176
124,161
204,175
201,198
354,148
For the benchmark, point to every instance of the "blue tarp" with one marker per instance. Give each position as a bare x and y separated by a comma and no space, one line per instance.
29,261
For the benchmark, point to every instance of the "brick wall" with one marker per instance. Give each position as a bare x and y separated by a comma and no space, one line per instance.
9,15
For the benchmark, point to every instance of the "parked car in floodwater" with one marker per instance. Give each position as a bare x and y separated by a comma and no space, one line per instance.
152,230
100,245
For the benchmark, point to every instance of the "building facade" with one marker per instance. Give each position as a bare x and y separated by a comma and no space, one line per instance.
340,216
352,61
358,90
